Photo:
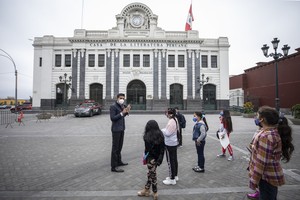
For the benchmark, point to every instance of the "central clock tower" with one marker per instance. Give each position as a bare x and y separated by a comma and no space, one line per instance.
136,17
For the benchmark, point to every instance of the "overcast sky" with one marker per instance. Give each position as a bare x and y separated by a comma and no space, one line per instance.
248,24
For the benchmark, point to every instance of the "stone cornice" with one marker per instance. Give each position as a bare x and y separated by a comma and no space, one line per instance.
94,40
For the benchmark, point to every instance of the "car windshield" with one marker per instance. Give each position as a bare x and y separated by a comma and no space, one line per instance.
86,105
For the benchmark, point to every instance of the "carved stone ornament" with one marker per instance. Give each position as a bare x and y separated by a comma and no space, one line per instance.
137,20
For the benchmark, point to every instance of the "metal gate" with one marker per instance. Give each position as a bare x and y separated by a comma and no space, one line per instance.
136,95
176,96
96,92
209,97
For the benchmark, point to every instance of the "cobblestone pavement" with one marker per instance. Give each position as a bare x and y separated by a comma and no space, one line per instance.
69,158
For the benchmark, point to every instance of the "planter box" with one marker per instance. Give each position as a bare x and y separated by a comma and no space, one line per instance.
43,116
295,121
249,115
234,113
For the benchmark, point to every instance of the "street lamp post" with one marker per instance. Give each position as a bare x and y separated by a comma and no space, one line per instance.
63,79
201,82
16,76
276,56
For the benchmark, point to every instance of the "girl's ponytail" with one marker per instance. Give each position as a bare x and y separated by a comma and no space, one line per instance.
285,133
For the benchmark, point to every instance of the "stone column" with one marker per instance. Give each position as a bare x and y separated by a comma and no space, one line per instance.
74,74
116,72
189,74
163,74
155,74
82,74
197,74
108,74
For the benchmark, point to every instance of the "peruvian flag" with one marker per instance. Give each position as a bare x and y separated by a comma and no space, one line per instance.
190,18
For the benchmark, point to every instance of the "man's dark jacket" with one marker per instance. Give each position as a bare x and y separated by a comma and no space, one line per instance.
118,121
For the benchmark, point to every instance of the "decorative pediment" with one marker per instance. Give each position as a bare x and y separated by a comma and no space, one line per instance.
137,16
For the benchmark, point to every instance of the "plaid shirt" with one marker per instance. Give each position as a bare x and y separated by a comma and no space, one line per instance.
265,159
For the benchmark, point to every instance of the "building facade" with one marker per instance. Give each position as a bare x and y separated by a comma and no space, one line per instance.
236,87
153,67
258,84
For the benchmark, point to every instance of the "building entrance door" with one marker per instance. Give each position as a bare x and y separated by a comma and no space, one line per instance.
209,97
96,91
62,94
176,96
136,95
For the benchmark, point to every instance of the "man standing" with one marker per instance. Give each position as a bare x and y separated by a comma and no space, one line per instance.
182,123
118,111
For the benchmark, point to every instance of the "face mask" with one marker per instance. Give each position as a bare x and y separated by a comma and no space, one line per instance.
121,101
257,122
195,119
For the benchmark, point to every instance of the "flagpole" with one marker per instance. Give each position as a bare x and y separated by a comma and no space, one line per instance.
82,13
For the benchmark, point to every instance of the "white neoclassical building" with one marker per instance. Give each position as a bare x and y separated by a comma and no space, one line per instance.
153,67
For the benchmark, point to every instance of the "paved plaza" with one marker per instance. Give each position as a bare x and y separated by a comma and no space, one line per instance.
69,158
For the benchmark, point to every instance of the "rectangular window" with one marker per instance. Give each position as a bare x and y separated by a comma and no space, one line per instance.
41,62
101,60
146,60
214,62
171,60
68,60
126,60
204,61
58,60
180,60
136,60
91,60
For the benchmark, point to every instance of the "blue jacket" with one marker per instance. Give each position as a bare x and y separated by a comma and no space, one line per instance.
199,131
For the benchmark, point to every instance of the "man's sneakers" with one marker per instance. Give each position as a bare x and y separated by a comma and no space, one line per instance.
221,155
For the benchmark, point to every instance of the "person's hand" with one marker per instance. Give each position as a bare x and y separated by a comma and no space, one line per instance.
152,161
222,136
158,162
128,108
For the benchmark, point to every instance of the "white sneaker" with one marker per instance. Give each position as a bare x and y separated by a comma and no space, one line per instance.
230,158
176,178
169,182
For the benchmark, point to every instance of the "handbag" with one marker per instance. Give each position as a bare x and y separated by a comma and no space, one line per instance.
144,158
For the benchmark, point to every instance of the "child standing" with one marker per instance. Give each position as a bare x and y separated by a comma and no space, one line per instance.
199,135
154,148
225,128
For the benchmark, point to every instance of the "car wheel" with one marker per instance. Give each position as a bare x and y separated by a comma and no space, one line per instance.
99,111
91,114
